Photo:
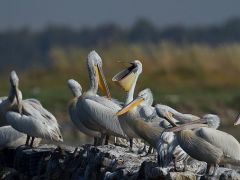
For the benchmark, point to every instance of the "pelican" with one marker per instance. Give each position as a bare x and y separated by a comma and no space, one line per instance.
29,116
207,144
177,116
11,101
127,79
212,120
3,122
97,113
151,131
76,90
237,121
11,138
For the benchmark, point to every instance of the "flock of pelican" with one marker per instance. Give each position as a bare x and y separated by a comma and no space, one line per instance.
173,134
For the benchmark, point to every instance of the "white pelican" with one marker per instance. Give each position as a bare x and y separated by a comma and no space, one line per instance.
28,116
11,138
127,79
183,118
97,112
207,144
151,131
76,90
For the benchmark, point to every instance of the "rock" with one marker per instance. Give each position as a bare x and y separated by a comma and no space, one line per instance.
182,176
106,162
229,175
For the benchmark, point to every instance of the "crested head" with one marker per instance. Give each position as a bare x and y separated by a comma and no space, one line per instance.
160,111
147,95
94,59
75,87
137,66
212,120
14,80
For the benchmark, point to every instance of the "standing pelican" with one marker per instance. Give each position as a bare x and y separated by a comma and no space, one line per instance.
151,131
127,79
29,116
97,113
76,89
11,138
207,144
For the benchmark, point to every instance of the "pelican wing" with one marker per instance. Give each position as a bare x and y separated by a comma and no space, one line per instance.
9,135
72,111
32,100
102,111
33,125
226,142
35,121
35,107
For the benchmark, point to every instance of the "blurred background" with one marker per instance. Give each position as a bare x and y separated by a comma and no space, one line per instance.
190,52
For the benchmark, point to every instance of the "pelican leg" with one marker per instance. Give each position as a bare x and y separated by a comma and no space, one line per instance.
208,169
100,140
95,141
106,140
140,151
131,144
27,141
215,169
31,144
150,150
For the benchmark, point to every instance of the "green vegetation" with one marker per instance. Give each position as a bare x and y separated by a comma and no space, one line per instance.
191,78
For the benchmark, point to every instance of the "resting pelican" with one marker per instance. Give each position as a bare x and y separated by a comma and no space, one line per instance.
97,113
76,90
151,131
178,117
212,120
11,138
28,116
207,144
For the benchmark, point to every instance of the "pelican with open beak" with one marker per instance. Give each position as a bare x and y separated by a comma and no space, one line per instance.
97,113
127,80
206,144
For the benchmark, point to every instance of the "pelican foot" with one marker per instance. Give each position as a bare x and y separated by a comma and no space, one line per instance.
130,150
141,151
120,145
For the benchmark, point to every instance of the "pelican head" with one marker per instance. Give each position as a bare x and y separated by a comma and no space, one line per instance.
237,121
94,64
142,96
127,77
212,120
148,96
14,81
162,112
75,87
